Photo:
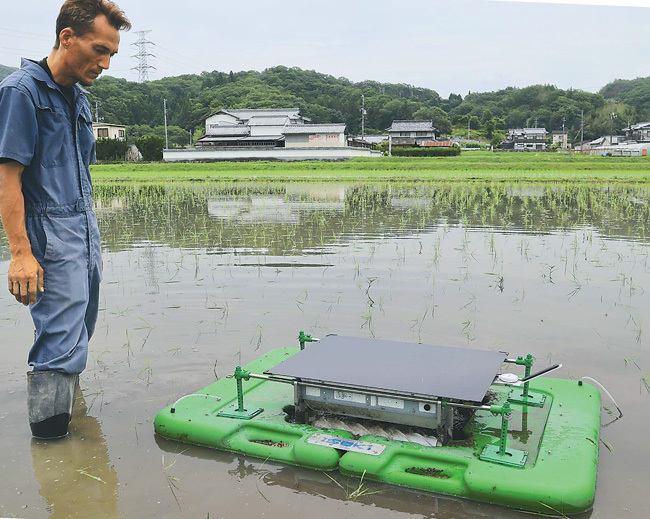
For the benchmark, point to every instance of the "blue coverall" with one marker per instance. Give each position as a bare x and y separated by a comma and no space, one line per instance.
55,143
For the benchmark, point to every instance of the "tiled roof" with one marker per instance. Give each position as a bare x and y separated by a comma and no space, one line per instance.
296,129
268,120
527,131
252,112
96,125
411,126
213,138
639,126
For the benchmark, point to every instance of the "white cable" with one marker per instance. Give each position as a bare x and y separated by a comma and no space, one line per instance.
173,408
606,392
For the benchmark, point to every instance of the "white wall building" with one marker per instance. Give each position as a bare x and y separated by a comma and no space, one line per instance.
638,132
561,138
269,134
109,131
522,139
254,127
314,135
410,133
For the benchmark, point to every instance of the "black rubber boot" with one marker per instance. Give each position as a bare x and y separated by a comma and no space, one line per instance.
50,396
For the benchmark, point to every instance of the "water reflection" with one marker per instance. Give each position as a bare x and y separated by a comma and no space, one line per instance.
75,473
296,218
337,488
285,219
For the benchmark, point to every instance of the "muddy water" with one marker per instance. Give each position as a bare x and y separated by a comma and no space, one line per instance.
198,279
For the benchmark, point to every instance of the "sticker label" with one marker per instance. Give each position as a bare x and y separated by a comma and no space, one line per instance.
312,391
395,403
347,396
346,444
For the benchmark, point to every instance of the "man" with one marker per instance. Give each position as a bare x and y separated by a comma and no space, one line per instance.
46,147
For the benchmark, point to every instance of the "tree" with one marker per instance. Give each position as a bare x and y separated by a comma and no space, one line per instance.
439,117
490,126
151,147
111,149
602,122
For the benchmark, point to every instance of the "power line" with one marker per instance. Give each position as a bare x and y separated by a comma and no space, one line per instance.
185,59
21,51
142,55
178,65
25,34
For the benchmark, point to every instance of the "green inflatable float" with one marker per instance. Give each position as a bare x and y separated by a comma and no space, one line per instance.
433,418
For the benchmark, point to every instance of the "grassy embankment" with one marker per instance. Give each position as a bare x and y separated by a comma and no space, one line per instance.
471,166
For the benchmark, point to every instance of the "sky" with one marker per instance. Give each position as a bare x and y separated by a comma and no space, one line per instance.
450,46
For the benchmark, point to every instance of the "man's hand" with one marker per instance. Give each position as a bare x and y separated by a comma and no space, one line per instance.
25,278
25,274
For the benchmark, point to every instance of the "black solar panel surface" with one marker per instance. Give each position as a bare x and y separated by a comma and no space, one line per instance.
437,371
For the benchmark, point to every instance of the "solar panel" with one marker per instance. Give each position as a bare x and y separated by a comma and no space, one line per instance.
435,371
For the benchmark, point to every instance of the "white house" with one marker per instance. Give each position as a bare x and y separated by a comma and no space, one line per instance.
561,138
521,139
269,134
254,127
410,133
638,132
109,131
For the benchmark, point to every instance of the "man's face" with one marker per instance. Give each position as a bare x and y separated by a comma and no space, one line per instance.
89,55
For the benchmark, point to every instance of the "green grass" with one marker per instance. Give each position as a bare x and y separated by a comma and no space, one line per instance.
480,166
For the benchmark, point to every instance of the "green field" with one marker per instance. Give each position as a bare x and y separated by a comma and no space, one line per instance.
535,167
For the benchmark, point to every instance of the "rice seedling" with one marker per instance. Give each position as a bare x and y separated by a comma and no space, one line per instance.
645,382
84,472
172,481
353,494
147,371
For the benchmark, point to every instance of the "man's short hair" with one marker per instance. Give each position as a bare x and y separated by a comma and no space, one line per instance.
79,15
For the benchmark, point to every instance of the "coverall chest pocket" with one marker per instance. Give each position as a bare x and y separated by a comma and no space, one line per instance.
54,148
86,137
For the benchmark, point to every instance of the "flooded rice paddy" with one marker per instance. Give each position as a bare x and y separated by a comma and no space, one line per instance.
199,278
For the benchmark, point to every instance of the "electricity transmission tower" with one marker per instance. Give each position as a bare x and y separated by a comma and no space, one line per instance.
141,55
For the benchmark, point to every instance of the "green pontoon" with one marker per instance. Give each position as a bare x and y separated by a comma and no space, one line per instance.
434,418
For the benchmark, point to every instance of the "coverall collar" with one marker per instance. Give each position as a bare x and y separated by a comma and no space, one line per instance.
37,72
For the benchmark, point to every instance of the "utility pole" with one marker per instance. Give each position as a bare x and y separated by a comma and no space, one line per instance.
96,111
582,126
141,55
363,116
612,116
536,119
165,109
190,136
469,125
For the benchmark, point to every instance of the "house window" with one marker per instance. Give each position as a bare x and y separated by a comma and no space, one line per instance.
121,133
102,132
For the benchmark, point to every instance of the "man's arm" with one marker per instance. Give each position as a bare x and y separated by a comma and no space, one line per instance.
25,273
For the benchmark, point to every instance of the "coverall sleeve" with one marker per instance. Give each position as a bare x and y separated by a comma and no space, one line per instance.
18,126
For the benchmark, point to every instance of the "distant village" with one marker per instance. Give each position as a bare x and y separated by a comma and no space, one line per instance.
286,134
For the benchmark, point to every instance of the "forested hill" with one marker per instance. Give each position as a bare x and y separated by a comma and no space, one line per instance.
325,98
634,92
5,71
321,97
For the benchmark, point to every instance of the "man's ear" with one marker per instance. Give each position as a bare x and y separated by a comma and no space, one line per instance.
65,36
